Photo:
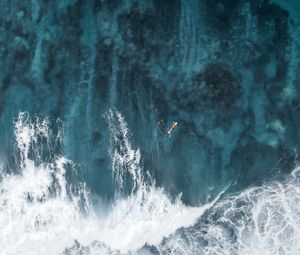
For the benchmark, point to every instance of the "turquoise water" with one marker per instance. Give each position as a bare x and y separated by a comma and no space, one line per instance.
88,91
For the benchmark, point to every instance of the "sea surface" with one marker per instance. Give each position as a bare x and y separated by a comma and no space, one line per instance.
88,92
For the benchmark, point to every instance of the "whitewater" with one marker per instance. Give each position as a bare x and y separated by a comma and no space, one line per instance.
43,212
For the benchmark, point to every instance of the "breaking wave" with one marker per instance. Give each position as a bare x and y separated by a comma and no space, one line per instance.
41,213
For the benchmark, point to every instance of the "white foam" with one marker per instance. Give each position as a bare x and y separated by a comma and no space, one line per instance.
37,216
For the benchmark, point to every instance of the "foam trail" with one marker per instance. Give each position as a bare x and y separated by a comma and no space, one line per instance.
125,159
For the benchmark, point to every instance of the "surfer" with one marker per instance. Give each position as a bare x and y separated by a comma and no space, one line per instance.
174,125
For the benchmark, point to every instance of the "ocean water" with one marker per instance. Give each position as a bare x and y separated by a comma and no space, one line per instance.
88,90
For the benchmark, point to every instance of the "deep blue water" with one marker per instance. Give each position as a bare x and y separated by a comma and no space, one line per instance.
226,70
